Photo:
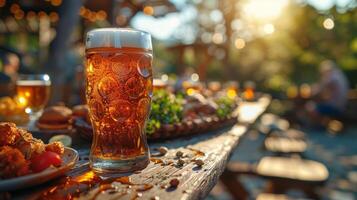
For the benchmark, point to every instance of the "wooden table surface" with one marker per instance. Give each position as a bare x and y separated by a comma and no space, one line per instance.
158,180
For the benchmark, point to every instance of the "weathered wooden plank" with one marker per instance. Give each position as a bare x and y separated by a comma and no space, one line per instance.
213,149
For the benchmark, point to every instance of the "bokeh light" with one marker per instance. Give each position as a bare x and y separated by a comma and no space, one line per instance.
328,24
195,77
54,17
31,15
164,77
217,38
239,43
2,3
56,2
305,91
269,28
292,91
14,7
148,10
231,93
101,15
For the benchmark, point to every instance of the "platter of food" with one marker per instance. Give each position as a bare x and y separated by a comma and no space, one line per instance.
56,120
177,115
26,161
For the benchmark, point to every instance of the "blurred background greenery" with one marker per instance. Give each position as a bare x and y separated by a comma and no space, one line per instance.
276,43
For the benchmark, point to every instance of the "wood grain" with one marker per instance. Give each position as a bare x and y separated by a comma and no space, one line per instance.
195,182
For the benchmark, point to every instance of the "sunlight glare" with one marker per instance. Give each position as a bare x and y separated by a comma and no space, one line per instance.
269,28
264,10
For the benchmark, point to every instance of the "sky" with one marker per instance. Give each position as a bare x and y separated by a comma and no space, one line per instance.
326,4
167,27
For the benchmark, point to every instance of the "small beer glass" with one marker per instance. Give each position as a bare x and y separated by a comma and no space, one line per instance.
33,93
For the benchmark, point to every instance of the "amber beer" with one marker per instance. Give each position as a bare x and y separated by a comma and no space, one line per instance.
33,94
118,93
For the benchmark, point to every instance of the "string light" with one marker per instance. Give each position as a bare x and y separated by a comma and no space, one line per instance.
19,14
148,10
92,15
30,15
56,2
2,3
41,14
54,17
101,15
82,11
14,7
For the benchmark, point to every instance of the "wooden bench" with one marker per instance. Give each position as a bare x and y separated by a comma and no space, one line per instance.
284,145
281,172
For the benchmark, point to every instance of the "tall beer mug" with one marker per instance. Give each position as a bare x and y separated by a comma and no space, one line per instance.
118,93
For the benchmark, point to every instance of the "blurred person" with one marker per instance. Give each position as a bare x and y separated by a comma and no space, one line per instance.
182,78
329,95
10,66
8,74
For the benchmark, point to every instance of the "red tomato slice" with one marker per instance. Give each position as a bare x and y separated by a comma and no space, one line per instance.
44,160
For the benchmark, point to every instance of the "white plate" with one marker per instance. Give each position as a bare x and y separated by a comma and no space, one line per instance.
69,159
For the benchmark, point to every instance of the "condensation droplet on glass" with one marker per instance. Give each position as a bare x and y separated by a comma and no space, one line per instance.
144,65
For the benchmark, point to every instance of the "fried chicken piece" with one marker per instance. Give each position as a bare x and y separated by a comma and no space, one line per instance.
28,145
12,163
56,147
9,134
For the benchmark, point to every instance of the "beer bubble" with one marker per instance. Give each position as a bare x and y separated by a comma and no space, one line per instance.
134,87
106,86
144,65
120,65
120,110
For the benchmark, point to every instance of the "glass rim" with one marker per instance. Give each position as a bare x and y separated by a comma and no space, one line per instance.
34,77
118,38
118,29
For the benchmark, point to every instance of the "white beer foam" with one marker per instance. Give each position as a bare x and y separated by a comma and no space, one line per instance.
117,38
32,83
